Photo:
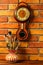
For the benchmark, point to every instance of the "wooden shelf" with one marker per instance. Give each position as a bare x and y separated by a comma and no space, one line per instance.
22,63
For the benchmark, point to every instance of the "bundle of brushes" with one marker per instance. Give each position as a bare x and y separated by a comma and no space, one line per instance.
12,45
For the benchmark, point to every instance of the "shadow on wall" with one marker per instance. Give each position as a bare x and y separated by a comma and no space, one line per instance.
30,20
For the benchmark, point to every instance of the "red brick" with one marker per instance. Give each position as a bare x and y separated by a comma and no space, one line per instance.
3,7
4,1
36,13
34,57
38,7
28,50
2,56
3,19
22,57
4,50
41,50
32,1
8,1
38,19
2,37
36,31
40,58
3,43
36,44
12,6
41,13
3,31
41,25
33,25
41,1
13,1
33,38
23,44
8,25
6,13
12,19
41,38
22,0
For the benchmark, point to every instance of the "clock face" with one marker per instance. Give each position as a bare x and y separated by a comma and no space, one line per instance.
22,14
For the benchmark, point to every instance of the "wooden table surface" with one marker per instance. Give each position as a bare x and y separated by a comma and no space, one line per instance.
22,63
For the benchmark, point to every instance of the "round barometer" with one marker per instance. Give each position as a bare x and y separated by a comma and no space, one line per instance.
22,13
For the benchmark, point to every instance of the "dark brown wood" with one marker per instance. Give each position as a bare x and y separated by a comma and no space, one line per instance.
22,31
21,63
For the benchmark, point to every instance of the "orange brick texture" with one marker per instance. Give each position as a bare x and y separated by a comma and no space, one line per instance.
28,50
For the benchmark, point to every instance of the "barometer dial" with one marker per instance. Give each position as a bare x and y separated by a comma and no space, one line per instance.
22,14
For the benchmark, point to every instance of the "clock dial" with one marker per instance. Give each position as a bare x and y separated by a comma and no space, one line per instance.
22,14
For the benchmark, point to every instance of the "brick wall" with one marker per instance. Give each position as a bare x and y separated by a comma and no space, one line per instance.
32,49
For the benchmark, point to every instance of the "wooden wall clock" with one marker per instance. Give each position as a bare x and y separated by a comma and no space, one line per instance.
22,14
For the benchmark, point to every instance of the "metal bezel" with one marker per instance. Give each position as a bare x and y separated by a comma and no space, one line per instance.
18,9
